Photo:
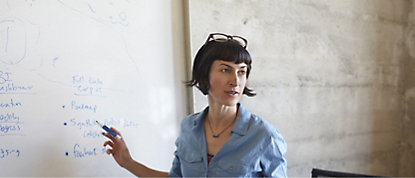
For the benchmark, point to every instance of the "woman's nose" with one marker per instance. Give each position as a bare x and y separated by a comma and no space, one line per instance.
234,80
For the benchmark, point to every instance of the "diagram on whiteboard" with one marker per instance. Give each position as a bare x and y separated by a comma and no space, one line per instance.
72,61
88,43
105,11
65,64
13,41
14,38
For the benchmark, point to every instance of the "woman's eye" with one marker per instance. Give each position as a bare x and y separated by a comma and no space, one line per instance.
242,72
224,70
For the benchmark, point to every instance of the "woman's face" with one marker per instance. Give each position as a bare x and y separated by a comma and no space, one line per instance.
227,81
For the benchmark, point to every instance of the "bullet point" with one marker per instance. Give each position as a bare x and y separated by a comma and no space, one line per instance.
66,153
64,124
63,106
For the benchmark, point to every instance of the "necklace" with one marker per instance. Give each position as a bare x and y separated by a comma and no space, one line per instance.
217,135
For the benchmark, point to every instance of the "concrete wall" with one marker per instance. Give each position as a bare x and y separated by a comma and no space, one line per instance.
407,161
335,77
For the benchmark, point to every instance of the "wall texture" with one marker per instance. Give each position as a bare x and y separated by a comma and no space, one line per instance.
335,77
407,159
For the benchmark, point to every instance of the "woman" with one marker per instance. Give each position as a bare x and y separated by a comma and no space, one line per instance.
225,140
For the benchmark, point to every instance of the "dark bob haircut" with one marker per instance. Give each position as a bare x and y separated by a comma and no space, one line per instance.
229,51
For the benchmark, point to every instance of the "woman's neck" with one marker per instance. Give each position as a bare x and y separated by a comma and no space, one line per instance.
220,115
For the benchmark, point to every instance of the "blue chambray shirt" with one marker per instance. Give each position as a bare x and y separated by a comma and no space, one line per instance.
255,149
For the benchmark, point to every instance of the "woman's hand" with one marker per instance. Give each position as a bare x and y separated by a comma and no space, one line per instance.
118,148
122,155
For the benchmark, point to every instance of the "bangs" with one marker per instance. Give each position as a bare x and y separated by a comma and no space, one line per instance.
231,51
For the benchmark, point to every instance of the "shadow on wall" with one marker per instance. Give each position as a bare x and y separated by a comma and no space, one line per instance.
407,157
391,153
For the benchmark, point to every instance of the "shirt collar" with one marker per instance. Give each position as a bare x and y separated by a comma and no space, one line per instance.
240,126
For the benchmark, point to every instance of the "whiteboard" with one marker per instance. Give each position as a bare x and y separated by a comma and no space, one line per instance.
66,63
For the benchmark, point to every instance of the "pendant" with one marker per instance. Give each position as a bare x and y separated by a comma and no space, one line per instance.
215,135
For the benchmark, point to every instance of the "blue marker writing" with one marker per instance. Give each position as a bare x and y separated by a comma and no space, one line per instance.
112,133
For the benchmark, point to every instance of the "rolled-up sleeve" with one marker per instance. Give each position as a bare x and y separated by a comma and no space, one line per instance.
272,161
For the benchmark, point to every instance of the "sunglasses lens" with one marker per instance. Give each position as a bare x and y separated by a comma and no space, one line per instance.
219,38
240,40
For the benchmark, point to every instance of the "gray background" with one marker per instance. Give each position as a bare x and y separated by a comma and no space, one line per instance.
336,77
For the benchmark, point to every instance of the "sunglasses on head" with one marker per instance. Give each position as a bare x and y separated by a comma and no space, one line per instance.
220,37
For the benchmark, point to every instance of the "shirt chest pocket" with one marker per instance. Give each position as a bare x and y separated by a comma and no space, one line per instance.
236,169
192,164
